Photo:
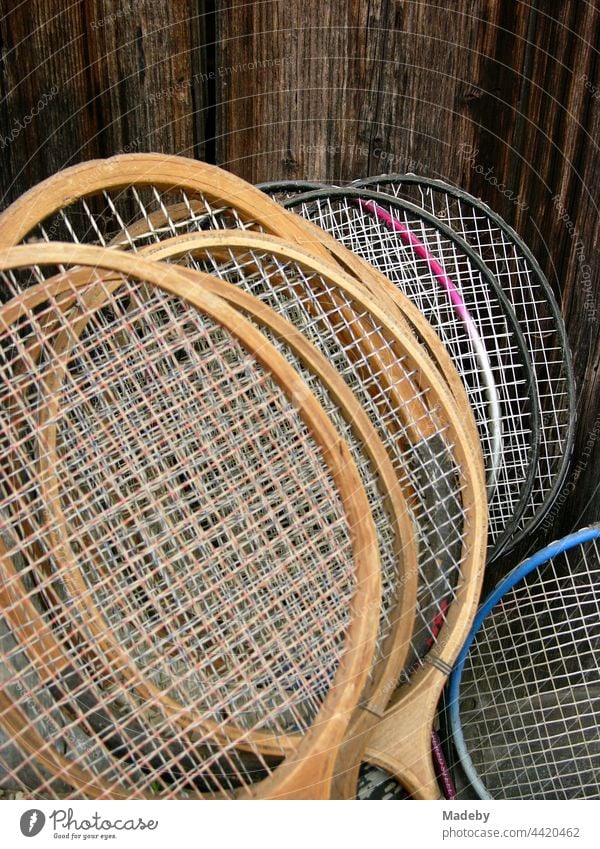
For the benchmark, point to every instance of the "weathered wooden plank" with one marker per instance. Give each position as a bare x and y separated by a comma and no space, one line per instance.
113,76
364,91
296,113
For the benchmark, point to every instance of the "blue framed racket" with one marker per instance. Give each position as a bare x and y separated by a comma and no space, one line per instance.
524,696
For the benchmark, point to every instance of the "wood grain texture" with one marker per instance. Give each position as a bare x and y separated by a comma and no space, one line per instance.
113,75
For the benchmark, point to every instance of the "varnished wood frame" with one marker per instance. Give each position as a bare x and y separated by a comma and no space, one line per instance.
306,774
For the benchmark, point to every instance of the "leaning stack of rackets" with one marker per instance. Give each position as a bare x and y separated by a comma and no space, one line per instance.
258,446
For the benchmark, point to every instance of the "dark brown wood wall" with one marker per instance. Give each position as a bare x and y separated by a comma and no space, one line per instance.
333,91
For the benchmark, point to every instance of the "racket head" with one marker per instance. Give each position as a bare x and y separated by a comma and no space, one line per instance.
339,212
524,721
99,201
536,309
36,635
281,190
207,252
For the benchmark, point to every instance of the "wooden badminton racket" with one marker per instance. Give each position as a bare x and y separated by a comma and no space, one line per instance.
54,644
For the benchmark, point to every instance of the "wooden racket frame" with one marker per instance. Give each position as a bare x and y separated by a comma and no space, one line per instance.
308,773
147,169
219,186
418,699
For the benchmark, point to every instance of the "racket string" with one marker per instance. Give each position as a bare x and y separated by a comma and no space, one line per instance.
530,301
339,327
161,622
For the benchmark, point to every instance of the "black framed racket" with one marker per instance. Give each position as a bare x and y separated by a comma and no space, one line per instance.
537,312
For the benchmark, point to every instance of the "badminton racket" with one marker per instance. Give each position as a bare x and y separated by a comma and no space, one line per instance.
257,271
525,691
399,567
217,644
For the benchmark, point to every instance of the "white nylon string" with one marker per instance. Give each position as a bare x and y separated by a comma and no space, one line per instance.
530,696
